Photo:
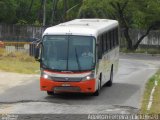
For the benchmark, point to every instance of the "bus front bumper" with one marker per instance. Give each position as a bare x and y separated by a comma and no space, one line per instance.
87,86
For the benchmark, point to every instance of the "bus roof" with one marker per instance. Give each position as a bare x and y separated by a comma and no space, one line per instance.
86,27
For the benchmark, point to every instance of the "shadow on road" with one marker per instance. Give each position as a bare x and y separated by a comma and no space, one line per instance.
117,94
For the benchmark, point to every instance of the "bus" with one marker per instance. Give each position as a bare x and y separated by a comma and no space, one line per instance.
79,56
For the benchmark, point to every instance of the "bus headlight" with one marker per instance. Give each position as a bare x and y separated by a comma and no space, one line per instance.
89,77
45,75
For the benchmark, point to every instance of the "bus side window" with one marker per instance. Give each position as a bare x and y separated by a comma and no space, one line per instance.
114,37
104,43
108,41
100,47
117,36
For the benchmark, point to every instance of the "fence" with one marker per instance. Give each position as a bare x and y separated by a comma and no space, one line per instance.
19,37
19,33
152,40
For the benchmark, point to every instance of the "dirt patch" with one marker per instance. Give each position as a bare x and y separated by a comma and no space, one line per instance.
9,80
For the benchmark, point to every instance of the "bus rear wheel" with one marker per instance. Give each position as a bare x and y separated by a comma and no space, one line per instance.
50,93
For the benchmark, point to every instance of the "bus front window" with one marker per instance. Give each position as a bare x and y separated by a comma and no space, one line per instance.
68,53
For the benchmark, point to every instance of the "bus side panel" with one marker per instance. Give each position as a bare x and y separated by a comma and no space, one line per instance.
105,64
116,62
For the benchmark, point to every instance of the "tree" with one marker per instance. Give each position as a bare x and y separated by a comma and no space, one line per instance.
149,19
54,11
121,14
68,9
92,9
141,14
30,7
73,8
22,15
7,11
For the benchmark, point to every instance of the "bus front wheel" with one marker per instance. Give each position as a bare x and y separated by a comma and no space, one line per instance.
110,82
50,93
98,90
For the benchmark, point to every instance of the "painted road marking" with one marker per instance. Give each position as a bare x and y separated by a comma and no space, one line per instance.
151,96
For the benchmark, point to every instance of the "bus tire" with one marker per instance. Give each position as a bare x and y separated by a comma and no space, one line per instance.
50,93
98,90
110,82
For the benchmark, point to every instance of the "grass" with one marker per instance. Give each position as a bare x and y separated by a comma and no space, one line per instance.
18,62
155,108
142,50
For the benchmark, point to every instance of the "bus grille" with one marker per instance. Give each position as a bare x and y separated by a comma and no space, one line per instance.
67,88
63,79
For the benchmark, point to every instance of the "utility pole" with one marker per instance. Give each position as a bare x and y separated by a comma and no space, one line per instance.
54,9
65,9
44,12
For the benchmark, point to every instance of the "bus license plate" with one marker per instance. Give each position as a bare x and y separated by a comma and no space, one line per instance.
66,84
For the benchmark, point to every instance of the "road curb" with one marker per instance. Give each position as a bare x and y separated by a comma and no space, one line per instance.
145,54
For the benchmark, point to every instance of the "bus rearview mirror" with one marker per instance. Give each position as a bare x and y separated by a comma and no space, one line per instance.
38,44
36,56
97,44
99,56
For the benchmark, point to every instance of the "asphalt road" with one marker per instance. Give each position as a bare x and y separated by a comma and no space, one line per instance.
123,97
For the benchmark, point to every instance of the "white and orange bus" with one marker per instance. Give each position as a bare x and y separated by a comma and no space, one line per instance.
79,56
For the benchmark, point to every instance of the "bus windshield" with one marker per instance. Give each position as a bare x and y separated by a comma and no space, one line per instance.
68,52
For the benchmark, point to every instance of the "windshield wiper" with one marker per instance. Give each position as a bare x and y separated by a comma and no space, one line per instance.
77,59
48,68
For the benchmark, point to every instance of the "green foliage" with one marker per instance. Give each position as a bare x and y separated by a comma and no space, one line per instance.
156,96
72,8
31,11
22,22
138,13
93,9
152,51
19,62
7,11
37,23
146,12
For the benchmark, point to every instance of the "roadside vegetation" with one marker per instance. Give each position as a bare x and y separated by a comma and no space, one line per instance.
155,108
152,51
131,14
19,62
